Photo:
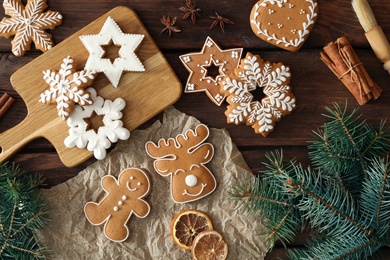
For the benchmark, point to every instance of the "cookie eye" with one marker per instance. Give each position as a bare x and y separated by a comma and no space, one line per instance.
191,180
139,183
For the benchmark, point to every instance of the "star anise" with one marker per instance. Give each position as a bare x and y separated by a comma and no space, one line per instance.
220,20
169,25
190,10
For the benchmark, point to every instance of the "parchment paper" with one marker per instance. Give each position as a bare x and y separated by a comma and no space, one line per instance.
70,236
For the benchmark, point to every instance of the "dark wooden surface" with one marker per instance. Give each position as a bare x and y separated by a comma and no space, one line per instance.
313,84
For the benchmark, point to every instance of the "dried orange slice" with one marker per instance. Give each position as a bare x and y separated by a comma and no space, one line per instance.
187,224
209,245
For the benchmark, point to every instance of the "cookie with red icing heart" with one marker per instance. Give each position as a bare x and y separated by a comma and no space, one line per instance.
284,23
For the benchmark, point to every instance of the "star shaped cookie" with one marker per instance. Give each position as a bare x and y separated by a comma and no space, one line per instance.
28,24
208,67
127,60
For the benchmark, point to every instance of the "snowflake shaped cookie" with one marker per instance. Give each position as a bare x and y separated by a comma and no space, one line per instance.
274,80
67,87
127,60
97,140
199,64
28,24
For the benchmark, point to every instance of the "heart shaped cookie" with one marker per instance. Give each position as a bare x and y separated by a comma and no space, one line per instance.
284,23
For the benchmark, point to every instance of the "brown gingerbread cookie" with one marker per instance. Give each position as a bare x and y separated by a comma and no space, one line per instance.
273,79
67,87
28,24
124,198
208,67
284,23
183,160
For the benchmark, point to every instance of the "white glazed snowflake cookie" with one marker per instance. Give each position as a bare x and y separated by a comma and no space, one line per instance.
97,140
28,24
284,23
127,60
67,87
273,79
201,64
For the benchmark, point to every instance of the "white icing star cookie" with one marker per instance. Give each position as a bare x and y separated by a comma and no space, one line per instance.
127,60
97,140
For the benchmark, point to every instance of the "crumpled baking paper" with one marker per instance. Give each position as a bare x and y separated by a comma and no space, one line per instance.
70,236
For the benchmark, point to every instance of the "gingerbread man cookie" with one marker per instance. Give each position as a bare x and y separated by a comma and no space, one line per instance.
273,79
28,24
284,23
200,66
124,198
67,87
183,160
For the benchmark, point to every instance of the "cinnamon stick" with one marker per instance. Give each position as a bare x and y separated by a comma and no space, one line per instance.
5,103
342,60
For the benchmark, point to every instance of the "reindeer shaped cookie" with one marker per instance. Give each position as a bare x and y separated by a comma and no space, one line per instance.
183,159
123,199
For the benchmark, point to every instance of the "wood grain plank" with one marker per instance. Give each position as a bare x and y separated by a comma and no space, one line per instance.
313,84
336,19
136,89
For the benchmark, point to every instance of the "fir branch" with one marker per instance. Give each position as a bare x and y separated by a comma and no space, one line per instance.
22,211
346,197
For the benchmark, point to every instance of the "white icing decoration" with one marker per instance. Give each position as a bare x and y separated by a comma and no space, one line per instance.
218,97
110,132
187,59
209,43
131,177
209,63
277,103
190,86
28,24
191,180
198,84
64,88
195,194
129,188
124,197
280,25
301,33
127,61
173,157
139,184
116,208
235,55
270,11
120,203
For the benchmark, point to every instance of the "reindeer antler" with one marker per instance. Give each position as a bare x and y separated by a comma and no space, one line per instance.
192,139
181,150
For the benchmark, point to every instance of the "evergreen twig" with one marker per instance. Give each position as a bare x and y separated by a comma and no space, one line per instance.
21,213
346,197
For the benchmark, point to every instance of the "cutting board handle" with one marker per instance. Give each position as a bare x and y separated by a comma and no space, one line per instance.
15,138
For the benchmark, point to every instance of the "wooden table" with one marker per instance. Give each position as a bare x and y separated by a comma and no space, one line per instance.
313,83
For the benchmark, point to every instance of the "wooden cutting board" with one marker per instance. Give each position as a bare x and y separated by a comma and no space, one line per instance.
146,93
